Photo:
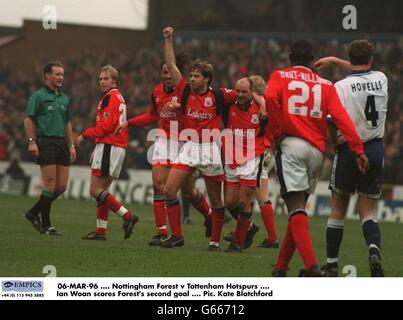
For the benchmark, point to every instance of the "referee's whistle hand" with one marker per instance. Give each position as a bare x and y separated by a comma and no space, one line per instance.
73,154
33,149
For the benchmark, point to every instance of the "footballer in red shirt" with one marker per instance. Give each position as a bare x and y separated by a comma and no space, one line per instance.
262,191
108,156
244,148
166,151
298,102
201,109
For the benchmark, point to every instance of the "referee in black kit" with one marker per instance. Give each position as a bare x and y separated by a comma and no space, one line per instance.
50,141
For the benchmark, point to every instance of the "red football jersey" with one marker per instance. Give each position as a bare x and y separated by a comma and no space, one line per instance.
202,111
111,112
248,135
159,112
298,102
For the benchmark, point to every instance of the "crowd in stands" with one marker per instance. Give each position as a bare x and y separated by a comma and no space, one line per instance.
140,72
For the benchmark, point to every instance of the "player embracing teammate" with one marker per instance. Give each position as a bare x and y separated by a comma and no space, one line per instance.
364,94
166,150
298,102
201,108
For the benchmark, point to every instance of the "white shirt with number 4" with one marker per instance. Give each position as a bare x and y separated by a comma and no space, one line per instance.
365,97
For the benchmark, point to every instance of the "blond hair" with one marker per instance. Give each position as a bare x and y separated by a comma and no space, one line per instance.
112,71
259,85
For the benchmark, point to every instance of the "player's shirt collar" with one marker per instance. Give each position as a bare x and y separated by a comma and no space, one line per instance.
204,93
359,72
302,67
51,91
168,92
110,90
250,104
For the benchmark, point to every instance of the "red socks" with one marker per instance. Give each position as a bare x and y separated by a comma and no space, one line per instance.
242,229
112,203
160,216
102,219
300,233
286,252
173,211
268,220
217,216
201,205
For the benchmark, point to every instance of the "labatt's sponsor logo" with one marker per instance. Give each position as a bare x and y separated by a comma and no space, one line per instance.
246,133
167,111
199,115
166,114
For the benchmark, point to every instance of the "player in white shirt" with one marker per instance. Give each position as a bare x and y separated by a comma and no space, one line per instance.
364,94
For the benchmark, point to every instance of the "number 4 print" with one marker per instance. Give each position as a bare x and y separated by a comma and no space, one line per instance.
370,111
304,97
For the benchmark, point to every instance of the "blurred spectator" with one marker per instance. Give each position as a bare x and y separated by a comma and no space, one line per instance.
15,171
3,144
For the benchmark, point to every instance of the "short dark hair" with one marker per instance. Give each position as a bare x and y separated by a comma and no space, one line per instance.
301,52
360,52
205,68
47,68
181,61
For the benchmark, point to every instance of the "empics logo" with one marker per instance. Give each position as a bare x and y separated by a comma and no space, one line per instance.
22,286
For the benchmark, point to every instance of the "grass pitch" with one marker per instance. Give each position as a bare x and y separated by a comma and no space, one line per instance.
24,252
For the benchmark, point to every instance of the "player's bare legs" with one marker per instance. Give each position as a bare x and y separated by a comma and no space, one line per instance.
267,212
99,184
48,174
262,192
159,176
54,182
176,179
198,201
237,200
105,201
244,204
366,207
297,236
62,176
214,189
334,232
231,196
372,233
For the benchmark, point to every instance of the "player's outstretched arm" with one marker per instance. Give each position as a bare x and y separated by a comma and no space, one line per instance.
324,63
121,127
170,56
